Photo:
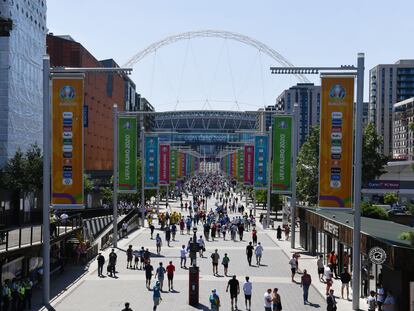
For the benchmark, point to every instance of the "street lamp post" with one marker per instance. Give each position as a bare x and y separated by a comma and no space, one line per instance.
115,180
295,140
269,174
359,73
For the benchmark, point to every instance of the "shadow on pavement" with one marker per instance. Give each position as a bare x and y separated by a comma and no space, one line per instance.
59,284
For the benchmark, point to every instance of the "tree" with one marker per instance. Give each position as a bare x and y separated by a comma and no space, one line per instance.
307,168
14,172
373,211
373,162
408,236
34,168
261,197
390,198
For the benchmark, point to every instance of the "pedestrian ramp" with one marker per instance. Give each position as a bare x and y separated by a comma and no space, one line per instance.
93,227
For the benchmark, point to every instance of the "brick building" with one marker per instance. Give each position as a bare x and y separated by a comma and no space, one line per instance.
101,92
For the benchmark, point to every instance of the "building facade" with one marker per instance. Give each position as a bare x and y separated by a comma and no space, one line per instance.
102,91
388,84
22,47
402,130
308,97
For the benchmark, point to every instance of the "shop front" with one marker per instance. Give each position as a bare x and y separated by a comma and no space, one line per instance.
384,258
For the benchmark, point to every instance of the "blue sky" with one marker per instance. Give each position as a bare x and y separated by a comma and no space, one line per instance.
223,74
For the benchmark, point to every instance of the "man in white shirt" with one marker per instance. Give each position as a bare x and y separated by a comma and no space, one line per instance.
259,252
247,289
268,300
201,246
293,266
371,301
380,296
183,257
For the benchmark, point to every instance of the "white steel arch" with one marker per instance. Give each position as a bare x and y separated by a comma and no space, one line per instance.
213,34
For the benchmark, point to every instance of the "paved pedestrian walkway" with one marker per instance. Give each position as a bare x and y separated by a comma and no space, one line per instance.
93,293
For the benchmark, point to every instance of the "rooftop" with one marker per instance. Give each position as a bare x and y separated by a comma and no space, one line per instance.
384,230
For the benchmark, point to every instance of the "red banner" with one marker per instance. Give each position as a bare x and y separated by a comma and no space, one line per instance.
248,165
164,164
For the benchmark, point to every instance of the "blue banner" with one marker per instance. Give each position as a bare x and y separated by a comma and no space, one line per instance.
261,145
151,162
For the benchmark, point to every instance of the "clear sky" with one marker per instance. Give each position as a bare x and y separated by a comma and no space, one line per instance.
223,74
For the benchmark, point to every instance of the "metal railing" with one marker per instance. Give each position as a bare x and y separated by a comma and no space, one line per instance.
15,238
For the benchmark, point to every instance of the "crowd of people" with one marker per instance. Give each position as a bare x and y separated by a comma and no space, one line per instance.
16,295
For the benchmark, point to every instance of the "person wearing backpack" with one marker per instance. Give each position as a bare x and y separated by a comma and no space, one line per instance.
214,300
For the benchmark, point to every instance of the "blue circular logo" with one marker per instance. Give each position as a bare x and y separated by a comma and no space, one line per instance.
67,92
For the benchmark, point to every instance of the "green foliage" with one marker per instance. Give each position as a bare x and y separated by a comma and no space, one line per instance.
24,172
408,236
390,198
307,168
373,162
261,197
373,211
87,184
107,195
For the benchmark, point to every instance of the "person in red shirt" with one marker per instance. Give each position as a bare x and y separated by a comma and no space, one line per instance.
170,275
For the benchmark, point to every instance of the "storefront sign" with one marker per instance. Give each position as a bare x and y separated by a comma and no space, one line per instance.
248,165
151,162
67,142
336,152
127,154
377,255
282,154
383,184
261,143
331,228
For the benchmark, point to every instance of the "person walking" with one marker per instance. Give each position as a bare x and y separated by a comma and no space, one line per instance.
170,276
214,301
152,228
372,301
268,300
183,257
101,262
225,262
234,286
127,308
305,283
328,279
160,272
129,257
331,301
247,290
345,279
380,296
249,253
201,246
259,252
276,300
148,273
215,260
321,268
278,233
158,243
333,262
293,265
156,295
254,236
168,235
112,263
124,230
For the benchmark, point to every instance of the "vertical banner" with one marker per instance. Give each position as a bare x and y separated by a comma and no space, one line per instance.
261,143
127,154
173,165
336,149
228,166
234,167
282,154
67,142
179,165
151,162
164,164
184,165
240,165
187,164
248,165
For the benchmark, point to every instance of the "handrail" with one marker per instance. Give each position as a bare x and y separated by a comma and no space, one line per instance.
29,235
